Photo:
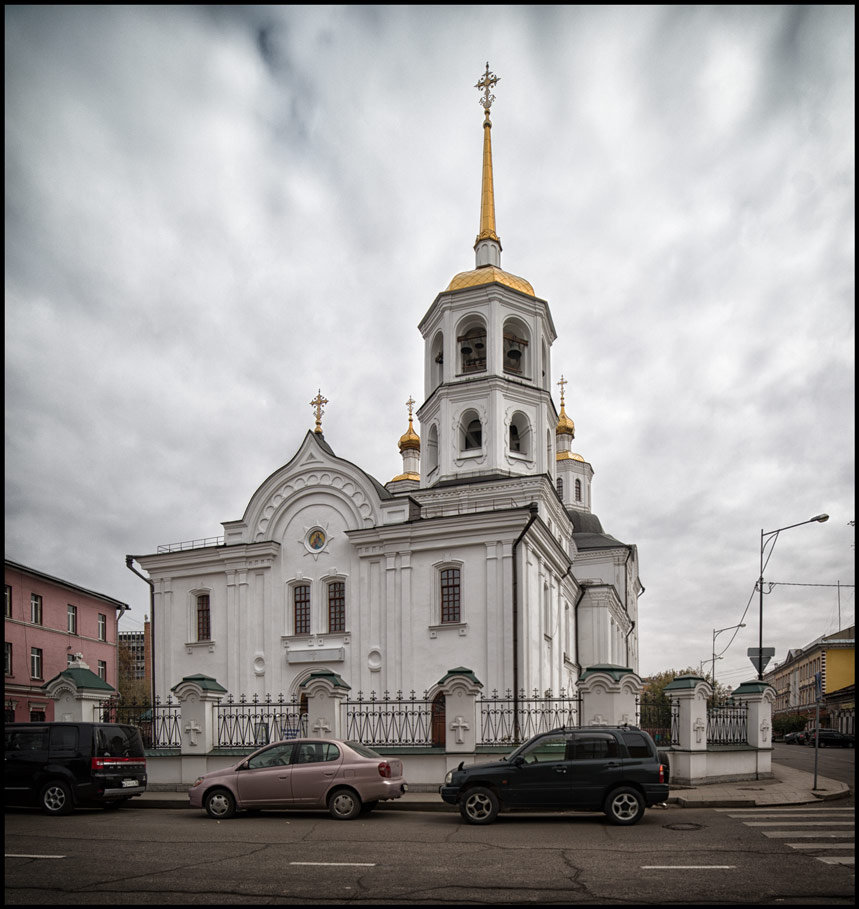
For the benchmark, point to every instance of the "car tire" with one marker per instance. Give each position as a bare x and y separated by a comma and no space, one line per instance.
479,805
56,798
219,804
344,804
624,806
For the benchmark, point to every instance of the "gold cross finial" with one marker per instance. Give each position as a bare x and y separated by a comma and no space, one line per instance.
410,404
484,83
562,383
318,403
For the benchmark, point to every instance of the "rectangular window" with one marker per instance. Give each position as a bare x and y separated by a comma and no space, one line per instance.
8,658
73,619
35,609
102,670
337,606
450,608
102,627
301,609
204,618
35,662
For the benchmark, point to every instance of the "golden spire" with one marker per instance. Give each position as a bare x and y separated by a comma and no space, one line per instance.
487,194
410,439
318,403
565,424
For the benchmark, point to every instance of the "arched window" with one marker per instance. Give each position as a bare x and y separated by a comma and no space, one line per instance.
336,606
450,599
472,348
519,435
578,490
204,618
437,359
301,609
517,359
432,449
471,432
559,484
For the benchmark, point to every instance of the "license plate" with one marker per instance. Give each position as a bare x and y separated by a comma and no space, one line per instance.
130,783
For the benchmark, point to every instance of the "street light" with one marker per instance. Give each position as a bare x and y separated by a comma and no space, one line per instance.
765,538
716,632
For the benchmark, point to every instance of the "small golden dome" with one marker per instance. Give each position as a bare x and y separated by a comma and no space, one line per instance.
569,456
566,427
410,439
489,274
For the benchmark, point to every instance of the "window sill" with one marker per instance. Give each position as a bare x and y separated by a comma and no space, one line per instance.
462,628
190,646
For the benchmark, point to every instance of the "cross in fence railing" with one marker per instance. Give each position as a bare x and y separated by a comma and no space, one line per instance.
192,729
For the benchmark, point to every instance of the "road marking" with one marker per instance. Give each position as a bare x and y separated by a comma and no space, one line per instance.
779,811
798,823
809,833
18,855
842,860
685,867
339,864
820,845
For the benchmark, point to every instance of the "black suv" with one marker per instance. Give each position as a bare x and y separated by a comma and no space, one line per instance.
615,769
58,766
830,738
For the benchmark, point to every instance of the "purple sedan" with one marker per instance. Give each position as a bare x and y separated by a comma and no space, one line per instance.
347,778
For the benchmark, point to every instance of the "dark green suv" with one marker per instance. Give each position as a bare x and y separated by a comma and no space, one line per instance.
614,769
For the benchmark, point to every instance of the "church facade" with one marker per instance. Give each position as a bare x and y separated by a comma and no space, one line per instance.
483,553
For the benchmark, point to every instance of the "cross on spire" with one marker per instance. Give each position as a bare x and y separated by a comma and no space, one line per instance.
484,83
562,383
410,404
318,403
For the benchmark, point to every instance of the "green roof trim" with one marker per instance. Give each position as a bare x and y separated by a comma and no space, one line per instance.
753,686
684,683
328,676
82,678
615,671
461,670
206,682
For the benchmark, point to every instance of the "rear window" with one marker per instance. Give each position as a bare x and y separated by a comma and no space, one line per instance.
363,750
118,741
636,744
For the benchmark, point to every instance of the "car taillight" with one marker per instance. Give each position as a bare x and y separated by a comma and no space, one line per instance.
118,763
662,773
385,770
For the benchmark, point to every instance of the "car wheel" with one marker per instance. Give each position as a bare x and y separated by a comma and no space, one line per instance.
479,805
56,798
624,806
344,804
219,804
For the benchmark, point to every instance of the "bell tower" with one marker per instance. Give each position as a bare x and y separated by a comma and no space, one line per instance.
488,409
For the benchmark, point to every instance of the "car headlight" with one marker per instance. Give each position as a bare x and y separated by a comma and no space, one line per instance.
448,778
197,782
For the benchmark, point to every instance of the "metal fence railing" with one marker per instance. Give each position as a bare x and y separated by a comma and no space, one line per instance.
660,718
257,721
158,723
396,720
727,724
509,720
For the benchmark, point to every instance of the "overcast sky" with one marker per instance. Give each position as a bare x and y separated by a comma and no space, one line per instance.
212,212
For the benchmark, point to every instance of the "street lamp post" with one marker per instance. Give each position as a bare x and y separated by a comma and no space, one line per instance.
765,538
717,632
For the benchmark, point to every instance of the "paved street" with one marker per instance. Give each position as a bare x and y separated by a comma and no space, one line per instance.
177,856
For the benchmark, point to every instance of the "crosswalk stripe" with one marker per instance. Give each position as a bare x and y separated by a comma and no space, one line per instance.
843,860
799,823
781,834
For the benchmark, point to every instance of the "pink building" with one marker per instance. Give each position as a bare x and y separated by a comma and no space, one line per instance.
48,621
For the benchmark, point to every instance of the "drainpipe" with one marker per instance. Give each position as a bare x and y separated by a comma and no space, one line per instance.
128,564
534,513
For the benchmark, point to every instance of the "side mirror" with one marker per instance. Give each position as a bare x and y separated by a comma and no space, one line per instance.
518,761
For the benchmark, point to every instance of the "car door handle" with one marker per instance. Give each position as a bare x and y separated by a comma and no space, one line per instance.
560,770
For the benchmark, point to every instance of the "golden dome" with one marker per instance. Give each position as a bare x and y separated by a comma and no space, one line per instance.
489,274
410,439
568,456
565,425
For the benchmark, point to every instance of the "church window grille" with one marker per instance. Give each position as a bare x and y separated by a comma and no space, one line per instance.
559,483
450,595
337,606
578,490
301,607
204,618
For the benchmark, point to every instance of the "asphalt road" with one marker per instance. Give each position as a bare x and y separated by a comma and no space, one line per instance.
675,855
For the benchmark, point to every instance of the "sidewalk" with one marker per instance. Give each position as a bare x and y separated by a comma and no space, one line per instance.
788,787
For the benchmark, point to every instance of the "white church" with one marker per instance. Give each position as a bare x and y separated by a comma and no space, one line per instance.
483,553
